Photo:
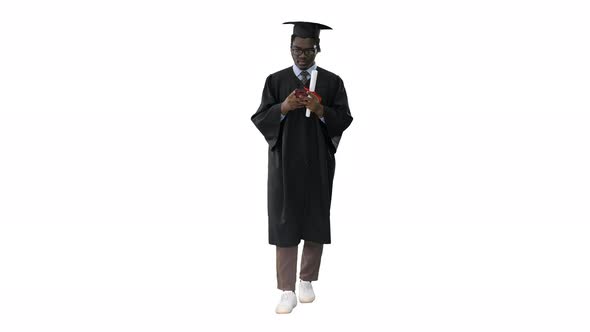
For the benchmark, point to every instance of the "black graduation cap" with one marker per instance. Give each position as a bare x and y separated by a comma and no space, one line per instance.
307,29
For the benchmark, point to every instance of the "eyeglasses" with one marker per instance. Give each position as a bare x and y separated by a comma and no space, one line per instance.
299,51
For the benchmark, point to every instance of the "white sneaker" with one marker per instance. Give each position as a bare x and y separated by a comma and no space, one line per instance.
288,302
306,294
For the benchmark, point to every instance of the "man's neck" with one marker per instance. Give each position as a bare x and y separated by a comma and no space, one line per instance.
298,70
313,64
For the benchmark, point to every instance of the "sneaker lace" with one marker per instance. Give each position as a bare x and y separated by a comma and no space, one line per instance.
285,297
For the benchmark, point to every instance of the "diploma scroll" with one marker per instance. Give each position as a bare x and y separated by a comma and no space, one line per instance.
314,78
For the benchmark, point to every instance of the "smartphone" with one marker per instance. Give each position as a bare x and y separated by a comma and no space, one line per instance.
301,93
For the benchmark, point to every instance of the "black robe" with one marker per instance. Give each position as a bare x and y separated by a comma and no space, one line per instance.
301,159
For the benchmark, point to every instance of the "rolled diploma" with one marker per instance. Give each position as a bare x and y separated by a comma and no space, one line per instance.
314,78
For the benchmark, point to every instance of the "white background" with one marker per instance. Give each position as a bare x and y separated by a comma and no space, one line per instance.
133,182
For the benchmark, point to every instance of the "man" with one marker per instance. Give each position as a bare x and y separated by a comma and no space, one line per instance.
301,160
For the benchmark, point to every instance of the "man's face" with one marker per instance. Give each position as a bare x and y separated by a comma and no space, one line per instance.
307,50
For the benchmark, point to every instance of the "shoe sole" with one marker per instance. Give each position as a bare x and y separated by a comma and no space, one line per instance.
306,300
283,312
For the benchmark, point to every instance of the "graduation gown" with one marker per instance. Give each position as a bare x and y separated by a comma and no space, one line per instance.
301,160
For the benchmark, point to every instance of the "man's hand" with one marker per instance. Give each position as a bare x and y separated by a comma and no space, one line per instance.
291,102
313,103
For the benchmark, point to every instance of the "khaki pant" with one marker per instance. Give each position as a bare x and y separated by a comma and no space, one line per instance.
287,264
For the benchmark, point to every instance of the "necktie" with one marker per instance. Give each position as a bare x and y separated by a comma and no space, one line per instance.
304,77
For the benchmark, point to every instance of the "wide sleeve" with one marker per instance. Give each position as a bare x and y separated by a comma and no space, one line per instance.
337,116
268,116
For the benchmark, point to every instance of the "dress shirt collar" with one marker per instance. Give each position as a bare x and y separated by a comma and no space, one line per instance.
298,71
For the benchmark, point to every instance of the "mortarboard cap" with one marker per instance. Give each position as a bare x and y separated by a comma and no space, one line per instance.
307,29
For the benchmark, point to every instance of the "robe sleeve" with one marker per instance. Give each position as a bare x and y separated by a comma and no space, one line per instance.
337,116
268,116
